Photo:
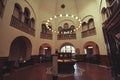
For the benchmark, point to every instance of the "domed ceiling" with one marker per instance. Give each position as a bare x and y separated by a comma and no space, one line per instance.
58,12
64,6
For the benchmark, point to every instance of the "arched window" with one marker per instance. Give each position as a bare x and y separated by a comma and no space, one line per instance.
84,26
26,16
66,26
72,28
49,29
17,11
66,29
91,24
88,29
32,23
44,29
60,29
68,49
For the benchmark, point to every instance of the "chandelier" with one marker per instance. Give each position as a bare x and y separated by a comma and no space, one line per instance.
60,16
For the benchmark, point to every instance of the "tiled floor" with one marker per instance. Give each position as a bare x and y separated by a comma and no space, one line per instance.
38,72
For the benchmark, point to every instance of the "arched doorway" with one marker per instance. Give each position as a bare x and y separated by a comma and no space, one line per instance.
91,48
45,52
20,49
68,48
45,49
91,51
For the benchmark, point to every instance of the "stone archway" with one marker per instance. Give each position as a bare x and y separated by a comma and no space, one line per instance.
20,49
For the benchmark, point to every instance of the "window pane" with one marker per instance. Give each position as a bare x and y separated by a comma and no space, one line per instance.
68,49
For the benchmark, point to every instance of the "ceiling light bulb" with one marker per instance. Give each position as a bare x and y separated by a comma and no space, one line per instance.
55,16
48,20
79,20
66,15
79,24
60,15
76,17
76,28
46,23
51,18
72,16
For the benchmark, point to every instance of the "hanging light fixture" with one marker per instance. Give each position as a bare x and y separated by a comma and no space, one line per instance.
63,5
63,15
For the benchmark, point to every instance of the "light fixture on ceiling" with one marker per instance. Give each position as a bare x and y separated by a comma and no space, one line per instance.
60,16
63,6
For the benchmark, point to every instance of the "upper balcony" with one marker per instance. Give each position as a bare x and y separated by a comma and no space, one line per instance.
18,24
66,36
45,36
88,33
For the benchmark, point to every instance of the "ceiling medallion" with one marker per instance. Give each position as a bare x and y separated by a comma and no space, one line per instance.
63,6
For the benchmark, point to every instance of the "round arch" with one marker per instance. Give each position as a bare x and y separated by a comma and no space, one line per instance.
17,11
67,47
20,49
90,45
45,49
66,43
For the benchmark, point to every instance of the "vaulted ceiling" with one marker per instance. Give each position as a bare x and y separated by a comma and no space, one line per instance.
71,6
79,8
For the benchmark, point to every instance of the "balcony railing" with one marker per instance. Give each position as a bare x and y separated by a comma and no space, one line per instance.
89,32
45,36
66,36
18,24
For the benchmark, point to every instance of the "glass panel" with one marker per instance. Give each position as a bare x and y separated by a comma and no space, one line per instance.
68,49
